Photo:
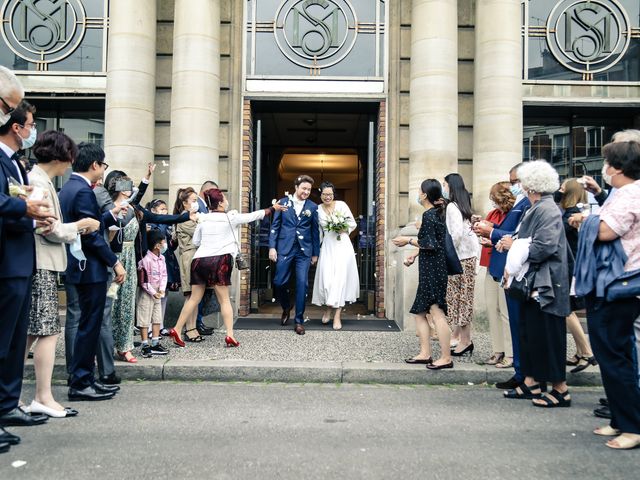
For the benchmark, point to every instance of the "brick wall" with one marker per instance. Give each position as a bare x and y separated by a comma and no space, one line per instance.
380,195
244,290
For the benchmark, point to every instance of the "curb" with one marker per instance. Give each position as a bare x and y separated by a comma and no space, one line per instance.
311,372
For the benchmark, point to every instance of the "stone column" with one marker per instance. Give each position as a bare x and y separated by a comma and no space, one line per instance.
433,129
497,123
131,87
195,94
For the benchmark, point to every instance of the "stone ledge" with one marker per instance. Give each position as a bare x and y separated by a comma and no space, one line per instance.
311,372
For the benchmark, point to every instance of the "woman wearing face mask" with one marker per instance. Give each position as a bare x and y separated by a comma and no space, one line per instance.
542,325
55,153
502,200
572,199
212,263
432,277
611,321
186,201
460,288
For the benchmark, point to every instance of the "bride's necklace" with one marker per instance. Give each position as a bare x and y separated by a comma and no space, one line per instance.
327,210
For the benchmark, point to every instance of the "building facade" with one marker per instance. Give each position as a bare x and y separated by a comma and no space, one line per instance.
372,95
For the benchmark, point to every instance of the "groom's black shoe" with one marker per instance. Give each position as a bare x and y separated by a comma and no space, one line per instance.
284,318
299,329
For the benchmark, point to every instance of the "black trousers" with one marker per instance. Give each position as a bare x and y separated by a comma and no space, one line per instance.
15,303
612,340
543,344
91,298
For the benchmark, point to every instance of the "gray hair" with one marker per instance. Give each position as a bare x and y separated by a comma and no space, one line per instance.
9,84
539,177
629,135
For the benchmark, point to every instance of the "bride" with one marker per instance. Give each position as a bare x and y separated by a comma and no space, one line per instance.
336,281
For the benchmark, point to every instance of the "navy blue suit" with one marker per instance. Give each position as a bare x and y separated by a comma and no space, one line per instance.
296,239
17,265
77,201
496,269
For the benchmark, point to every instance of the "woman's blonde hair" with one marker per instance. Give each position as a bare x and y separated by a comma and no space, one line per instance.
574,193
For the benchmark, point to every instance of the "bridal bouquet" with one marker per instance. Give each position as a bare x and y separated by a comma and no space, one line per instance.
337,222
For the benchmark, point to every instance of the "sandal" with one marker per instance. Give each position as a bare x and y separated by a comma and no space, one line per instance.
573,361
607,431
127,357
494,359
625,441
505,363
197,339
524,392
562,400
584,363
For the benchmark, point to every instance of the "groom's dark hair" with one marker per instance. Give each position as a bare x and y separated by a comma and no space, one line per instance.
303,179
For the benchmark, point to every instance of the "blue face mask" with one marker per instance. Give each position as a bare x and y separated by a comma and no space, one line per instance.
163,249
75,249
516,189
445,194
31,139
419,199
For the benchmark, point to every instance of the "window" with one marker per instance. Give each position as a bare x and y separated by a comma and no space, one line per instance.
581,40
56,35
595,142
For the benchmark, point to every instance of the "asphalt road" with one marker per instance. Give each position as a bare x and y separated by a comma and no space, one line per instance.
292,431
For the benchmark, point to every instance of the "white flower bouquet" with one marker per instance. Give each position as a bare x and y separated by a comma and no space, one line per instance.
338,222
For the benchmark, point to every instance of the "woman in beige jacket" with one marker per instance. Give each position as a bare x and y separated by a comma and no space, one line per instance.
55,153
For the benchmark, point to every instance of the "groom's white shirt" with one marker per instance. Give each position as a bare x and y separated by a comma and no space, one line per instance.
297,205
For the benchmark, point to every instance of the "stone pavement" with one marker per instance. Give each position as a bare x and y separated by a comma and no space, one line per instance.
318,356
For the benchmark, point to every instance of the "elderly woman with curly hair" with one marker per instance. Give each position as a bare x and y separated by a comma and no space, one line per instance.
541,257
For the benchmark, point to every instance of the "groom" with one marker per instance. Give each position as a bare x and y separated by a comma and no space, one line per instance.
294,239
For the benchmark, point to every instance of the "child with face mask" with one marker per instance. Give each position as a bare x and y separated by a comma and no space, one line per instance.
152,280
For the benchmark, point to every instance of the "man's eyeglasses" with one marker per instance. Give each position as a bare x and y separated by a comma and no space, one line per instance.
30,125
104,164
10,109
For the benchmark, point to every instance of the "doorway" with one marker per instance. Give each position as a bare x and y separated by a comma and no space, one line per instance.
335,142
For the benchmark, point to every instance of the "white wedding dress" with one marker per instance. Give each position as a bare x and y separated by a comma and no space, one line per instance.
337,281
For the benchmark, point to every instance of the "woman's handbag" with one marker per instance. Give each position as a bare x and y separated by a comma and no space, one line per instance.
520,290
626,285
241,262
454,267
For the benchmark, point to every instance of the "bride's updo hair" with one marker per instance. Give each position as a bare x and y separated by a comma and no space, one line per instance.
330,185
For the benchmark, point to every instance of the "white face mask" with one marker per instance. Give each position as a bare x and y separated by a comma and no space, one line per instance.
75,249
605,176
194,207
4,118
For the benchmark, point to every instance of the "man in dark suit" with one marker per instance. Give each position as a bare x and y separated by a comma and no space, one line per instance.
295,239
497,263
87,271
17,266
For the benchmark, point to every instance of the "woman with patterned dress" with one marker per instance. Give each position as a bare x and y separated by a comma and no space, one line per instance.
337,281
460,289
432,277
55,152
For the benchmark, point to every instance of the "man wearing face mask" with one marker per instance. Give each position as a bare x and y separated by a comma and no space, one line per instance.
495,233
11,94
17,266
87,271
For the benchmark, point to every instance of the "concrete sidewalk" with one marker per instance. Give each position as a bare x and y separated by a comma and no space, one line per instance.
317,357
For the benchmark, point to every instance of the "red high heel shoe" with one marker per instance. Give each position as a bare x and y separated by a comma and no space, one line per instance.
176,338
231,342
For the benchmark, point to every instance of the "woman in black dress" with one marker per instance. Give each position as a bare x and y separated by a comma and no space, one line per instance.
432,276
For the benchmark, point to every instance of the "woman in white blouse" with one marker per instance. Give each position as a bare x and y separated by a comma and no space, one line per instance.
213,262
460,288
